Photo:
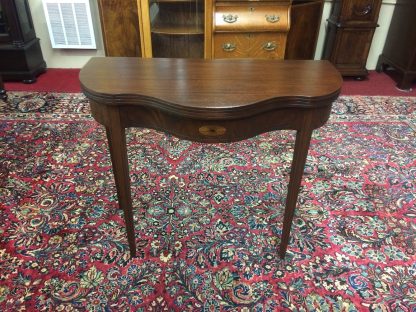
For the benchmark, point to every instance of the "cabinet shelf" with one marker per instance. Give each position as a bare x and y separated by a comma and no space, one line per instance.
175,1
177,30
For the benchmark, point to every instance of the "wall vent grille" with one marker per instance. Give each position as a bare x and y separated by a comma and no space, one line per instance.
69,24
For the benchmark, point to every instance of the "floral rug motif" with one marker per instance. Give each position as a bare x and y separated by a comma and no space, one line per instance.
208,218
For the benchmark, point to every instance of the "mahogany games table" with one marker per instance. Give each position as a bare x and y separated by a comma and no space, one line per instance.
209,101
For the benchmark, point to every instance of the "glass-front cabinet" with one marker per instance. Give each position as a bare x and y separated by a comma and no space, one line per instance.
211,28
172,28
214,28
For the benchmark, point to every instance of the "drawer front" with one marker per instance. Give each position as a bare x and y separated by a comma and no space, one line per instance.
250,45
251,17
268,45
234,45
360,11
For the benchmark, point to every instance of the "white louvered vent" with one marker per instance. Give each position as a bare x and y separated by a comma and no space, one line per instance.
69,24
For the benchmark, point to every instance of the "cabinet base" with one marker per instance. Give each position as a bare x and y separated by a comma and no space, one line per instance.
3,94
347,46
358,74
23,63
406,76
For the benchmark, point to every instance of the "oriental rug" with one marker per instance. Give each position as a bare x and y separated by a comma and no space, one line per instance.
208,217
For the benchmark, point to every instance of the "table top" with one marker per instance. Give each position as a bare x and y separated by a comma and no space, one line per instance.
198,87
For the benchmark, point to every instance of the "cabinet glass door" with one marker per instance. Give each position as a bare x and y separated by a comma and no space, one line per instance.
176,28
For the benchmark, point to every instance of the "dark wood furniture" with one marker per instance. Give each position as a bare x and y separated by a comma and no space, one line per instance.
400,46
120,27
20,54
351,27
305,21
209,101
3,94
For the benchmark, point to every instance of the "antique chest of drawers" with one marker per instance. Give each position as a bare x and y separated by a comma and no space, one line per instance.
247,29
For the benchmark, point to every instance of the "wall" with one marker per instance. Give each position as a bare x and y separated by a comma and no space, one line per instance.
384,20
64,58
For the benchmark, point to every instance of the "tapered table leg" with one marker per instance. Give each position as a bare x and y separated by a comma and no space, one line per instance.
110,145
117,143
303,138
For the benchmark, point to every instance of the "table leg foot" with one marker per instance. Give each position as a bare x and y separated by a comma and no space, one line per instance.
300,154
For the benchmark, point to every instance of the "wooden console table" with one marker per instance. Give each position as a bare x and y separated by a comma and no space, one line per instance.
209,101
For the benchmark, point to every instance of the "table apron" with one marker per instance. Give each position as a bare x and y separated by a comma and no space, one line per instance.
212,130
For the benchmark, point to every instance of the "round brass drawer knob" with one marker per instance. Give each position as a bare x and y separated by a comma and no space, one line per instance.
212,130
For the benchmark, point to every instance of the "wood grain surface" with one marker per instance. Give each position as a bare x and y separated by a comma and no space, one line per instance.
120,27
204,88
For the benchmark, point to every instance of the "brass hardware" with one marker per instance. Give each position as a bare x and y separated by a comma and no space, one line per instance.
212,130
228,47
270,46
229,18
272,18
362,11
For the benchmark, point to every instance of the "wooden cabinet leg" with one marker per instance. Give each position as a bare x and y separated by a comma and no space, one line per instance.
405,83
380,64
3,94
117,142
303,138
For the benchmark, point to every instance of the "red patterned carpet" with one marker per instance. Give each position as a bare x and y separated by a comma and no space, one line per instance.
208,217
53,80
